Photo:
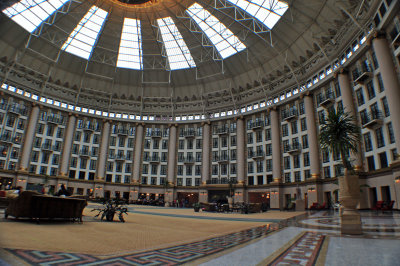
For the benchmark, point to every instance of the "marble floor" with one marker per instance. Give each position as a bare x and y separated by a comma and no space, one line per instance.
311,239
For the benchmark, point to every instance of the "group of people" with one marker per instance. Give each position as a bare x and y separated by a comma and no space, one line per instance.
62,192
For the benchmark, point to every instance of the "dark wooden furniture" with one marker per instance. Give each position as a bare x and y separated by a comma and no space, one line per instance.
31,204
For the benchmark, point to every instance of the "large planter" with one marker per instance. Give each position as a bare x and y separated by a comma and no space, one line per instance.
349,196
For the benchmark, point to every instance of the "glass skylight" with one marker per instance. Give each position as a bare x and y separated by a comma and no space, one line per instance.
130,47
178,53
221,37
80,42
267,12
29,14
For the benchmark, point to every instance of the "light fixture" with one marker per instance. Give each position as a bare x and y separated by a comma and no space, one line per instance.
397,179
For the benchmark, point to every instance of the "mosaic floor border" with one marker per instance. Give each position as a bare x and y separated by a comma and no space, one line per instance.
166,256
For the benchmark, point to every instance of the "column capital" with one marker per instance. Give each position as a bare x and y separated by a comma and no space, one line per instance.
172,125
239,117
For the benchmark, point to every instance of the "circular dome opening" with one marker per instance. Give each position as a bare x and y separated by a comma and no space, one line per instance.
134,2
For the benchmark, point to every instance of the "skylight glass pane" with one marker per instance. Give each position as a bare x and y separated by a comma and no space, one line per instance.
80,42
29,14
267,12
178,53
221,37
130,47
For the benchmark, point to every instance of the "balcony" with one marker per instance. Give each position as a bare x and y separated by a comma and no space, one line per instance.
55,119
84,153
88,127
189,160
289,114
294,148
6,138
120,157
223,159
154,159
47,147
189,134
17,109
223,130
372,119
258,155
326,99
362,74
257,124
156,134
122,132
221,181
56,147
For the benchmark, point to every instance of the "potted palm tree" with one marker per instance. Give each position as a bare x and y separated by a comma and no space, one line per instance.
339,133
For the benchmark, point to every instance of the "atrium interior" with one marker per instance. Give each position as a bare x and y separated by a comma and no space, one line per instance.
172,103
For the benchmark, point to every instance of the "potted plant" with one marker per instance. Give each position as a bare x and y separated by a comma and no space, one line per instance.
110,208
196,206
339,133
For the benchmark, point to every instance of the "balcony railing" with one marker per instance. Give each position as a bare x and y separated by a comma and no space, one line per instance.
6,138
47,147
84,153
223,130
189,160
326,99
123,131
256,124
362,73
189,133
154,159
294,148
221,181
258,155
88,127
156,134
223,158
120,157
372,119
17,108
55,119
289,114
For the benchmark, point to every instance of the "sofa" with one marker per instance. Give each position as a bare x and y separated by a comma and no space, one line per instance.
33,205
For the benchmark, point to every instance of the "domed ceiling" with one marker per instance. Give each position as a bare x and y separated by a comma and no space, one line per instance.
171,56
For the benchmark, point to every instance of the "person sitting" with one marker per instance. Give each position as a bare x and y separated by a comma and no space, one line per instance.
63,192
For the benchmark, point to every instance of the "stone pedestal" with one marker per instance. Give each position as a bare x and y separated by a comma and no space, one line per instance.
349,196
300,205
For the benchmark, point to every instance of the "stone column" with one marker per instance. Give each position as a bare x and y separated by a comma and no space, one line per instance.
241,151
68,140
390,82
313,141
205,171
276,147
101,161
172,153
29,138
349,107
137,160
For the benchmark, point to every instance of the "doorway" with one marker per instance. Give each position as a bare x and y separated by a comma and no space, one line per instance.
372,197
385,191
328,199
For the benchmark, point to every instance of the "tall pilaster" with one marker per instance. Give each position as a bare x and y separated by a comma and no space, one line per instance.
68,139
312,137
101,163
205,171
137,160
390,82
29,137
276,147
172,153
241,150
349,107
